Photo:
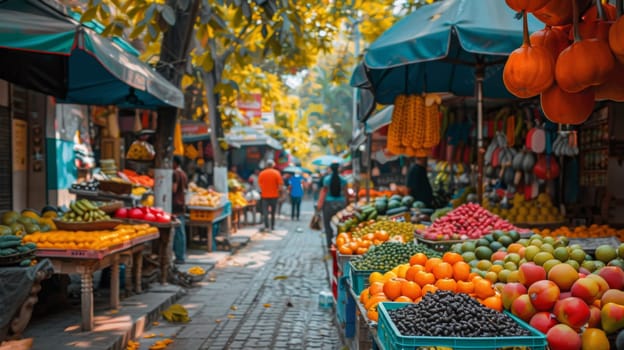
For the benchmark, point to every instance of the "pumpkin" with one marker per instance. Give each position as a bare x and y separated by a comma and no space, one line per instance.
616,38
555,39
526,5
585,63
528,70
567,108
613,88
593,26
559,12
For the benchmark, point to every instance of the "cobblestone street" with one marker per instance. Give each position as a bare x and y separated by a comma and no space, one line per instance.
265,296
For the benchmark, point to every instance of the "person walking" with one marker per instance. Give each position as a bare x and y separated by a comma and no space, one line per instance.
332,199
295,187
270,182
418,183
180,185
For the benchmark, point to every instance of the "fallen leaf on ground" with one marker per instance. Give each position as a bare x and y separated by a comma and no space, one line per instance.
233,307
151,335
280,277
231,316
217,321
267,305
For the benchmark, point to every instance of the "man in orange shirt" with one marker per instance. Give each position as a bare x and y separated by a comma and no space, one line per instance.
270,182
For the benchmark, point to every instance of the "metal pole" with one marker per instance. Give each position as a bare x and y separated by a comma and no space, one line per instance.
369,165
479,76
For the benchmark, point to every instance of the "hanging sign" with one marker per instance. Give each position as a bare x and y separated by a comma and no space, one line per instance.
251,109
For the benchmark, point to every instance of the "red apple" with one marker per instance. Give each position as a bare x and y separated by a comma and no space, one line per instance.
121,213
594,317
149,217
523,308
586,289
613,275
164,218
531,273
135,213
572,311
562,337
544,294
511,291
543,321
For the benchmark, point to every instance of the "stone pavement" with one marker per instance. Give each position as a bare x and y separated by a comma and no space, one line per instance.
265,296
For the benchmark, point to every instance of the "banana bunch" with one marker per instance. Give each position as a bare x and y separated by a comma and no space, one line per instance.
196,270
565,145
176,313
84,211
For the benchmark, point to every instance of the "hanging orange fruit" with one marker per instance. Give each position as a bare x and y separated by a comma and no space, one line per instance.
612,89
526,5
567,108
555,39
594,25
559,12
616,38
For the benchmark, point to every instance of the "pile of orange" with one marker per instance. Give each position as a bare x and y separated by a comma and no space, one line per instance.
349,245
409,282
593,231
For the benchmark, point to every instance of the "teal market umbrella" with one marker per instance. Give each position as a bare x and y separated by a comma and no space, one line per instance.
453,46
43,49
327,160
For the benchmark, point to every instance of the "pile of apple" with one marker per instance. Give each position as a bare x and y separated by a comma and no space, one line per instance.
151,214
468,221
574,310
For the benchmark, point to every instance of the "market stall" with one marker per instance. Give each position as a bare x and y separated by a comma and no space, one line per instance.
208,209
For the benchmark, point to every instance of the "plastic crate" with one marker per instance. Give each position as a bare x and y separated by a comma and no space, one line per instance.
343,261
359,278
205,214
391,338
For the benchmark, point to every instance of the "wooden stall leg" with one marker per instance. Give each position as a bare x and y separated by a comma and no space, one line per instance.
127,260
87,300
114,283
137,267
209,236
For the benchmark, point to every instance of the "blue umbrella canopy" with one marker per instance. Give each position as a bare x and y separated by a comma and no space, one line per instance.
437,47
327,160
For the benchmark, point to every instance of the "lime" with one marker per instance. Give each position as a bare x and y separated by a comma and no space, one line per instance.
574,264
589,265
468,247
621,251
547,247
617,262
511,266
577,255
542,257
562,241
505,241
606,253
536,242
575,246
484,265
550,263
495,246
469,256
514,258
530,252
561,253
502,276
523,241
483,253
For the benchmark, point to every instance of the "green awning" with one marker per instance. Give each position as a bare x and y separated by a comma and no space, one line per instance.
379,119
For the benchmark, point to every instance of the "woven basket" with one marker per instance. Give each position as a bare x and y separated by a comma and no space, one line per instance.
87,226
111,207
116,187
15,259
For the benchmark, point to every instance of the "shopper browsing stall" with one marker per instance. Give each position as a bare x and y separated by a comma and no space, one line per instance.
180,185
270,182
332,199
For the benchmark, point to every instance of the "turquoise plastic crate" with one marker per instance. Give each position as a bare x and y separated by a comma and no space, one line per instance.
343,262
391,338
359,278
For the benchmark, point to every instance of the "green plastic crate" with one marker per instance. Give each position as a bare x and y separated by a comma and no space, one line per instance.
391,338
359,278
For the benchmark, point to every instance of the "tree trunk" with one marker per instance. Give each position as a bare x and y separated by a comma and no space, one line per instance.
173,54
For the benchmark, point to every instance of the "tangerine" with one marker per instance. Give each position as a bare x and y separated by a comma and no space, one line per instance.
428,288
372,315
353,245
376,288
494,302
443,270
411,272
364,296
361,250
461,271
410,289
465,287
375,276
369,236
451,257
423,278
388,275
392,288
381,235
418,259
431,263
345,250
403,299
402,270
374,300
446,284
483,288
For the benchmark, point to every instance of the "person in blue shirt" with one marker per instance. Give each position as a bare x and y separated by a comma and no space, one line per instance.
295,187
335,199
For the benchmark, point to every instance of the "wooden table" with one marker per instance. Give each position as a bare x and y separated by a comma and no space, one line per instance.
193,225
86,263
162,247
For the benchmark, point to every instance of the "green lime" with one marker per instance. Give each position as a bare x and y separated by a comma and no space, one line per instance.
561,253
514,258
530,252
562,241
469,256
547,247
550,263
577,255
617,262
621,251
502,275
468,247
606,253
575,246
505,241
511,266
483,253
542,257
589,265
574,264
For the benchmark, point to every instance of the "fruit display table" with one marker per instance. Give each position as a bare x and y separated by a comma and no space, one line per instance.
128,199
208,222
86,262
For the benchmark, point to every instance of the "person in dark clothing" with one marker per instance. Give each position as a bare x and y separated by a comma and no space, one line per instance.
180,185
334,200
418,182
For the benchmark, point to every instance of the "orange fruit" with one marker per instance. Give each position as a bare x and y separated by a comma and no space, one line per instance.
369,236
403,299
461,271
494,302
423,278
374,300
388,275
411,272
431,263
361,250
451,257
410,289
417,299
372,315
443,270
514,248
345,236
483,288
345,250
376,288
465,287
353,245
429,288
375,276
418,259
446,284
402,270
364,296
382,235
340,241
392,288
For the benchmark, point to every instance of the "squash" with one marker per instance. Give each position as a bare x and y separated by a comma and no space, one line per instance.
559,12
594,26
585,63
528,70
526,5
613,88
555,39
563,107
616,38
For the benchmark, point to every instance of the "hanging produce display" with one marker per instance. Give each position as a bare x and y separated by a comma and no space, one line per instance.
415,126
